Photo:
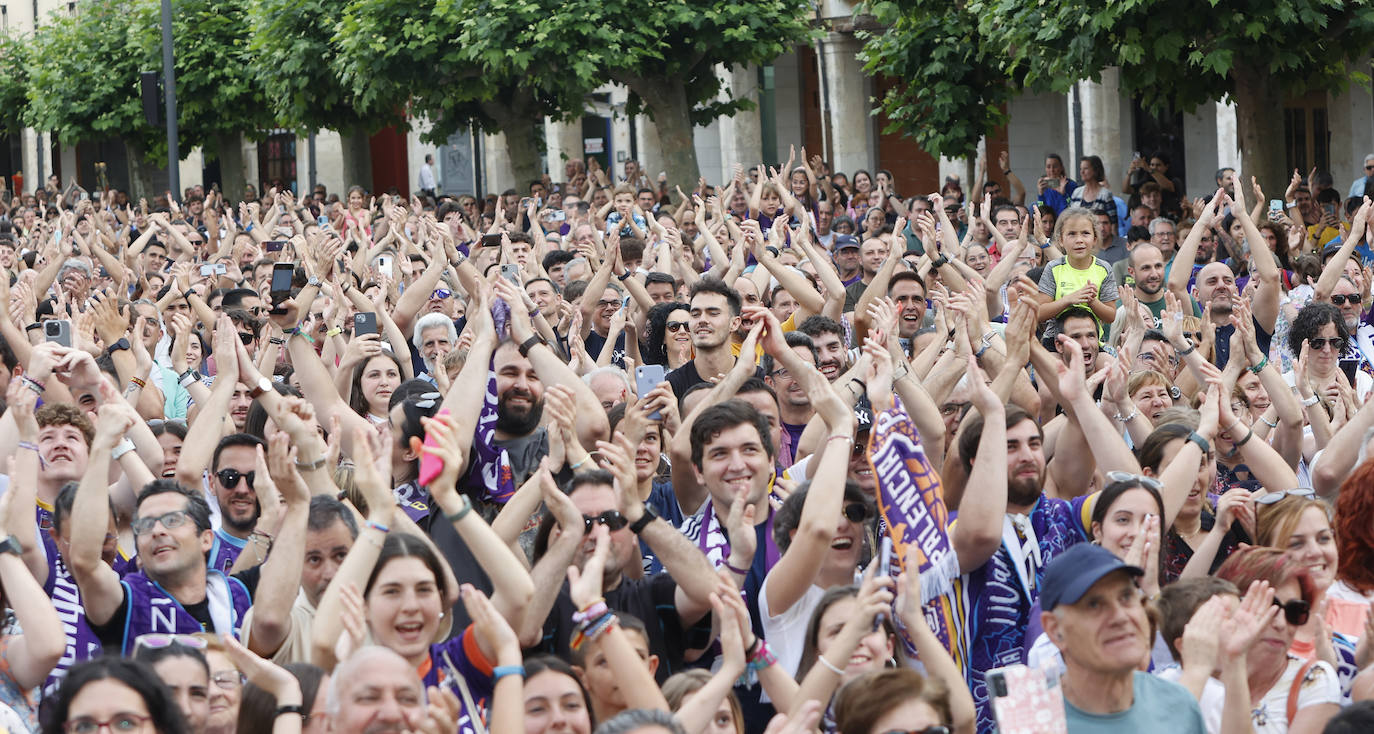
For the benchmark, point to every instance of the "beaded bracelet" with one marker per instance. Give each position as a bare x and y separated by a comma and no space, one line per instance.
594,611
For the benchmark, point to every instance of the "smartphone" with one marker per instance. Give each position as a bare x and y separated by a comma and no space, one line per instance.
274,245
558,216
364,323
280,288
491,240
884,569
512,273
647,377
1275,209
58,331
1330,209
1025,701
431,466
322,220
210,269
525,203
384,265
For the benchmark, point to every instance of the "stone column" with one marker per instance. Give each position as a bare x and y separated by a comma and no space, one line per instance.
1105,123
741,136
563,141
848,90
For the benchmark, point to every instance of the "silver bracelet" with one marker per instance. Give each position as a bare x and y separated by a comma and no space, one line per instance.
1127,419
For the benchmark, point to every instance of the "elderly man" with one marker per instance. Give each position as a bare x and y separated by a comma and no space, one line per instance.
434,337
1093,609
375,690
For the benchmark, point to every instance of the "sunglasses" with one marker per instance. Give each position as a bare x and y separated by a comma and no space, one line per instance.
1341,300
1295,611
1274,497
612,519
160,423
1144,481
676,326
1336,343
1193,335
855,512
440,294
246,337
157,641
229,478
170,521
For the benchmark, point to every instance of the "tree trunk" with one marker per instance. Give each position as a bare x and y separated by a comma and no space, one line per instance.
667,103
1259,127
522,144
357,158
141,181
229,151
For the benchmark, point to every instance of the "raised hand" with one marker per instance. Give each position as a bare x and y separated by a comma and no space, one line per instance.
584,585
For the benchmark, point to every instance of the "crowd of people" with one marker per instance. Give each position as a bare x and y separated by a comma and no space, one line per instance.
1058,458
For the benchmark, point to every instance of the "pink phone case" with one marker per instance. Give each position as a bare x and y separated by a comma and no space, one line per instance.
430,465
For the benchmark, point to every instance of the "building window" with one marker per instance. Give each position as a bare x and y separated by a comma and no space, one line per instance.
277,159
1306,137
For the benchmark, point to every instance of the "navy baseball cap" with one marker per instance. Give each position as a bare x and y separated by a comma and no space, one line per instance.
1073,572
843,241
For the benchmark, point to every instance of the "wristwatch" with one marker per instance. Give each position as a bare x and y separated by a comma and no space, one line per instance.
11,545
117,346
123,447
264,385
529,343
1201,442
313,281
940,262
188,377
644,520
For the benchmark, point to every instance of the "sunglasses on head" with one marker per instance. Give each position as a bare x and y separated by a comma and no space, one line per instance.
1336,343
157,641
1274,497
676,326
612,519
1341,300
1142,480
1295,611
229,478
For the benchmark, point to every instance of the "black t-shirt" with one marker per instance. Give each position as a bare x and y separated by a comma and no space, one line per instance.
684,378
111,634
650,600
596,342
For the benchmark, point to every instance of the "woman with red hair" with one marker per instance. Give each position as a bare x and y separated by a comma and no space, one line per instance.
1289,694
1354,587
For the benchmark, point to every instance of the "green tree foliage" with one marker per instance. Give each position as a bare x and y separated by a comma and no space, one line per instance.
219,94
1168,51
414,55
83,76
14,83
665,51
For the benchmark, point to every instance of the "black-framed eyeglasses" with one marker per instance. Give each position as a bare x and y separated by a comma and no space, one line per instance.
1273,497
1318,343
171,520
440,294
676,326
1295,611
855,512
607,304
1142,480
229,478
1341,299
612,519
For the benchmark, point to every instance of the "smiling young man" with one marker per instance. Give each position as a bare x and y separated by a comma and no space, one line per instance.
232,473
714,309
175,592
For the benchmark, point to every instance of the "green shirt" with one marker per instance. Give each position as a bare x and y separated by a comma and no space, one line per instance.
1157,706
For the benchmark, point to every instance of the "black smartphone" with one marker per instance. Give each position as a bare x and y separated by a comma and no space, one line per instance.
491,240
58,331
274,245
364,323
280,288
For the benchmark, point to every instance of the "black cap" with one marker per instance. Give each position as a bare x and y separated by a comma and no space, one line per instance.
1073,572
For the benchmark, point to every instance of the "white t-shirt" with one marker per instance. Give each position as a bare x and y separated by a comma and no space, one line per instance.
786,632
1271,715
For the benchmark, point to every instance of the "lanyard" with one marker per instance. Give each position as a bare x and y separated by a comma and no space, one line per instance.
1023,560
